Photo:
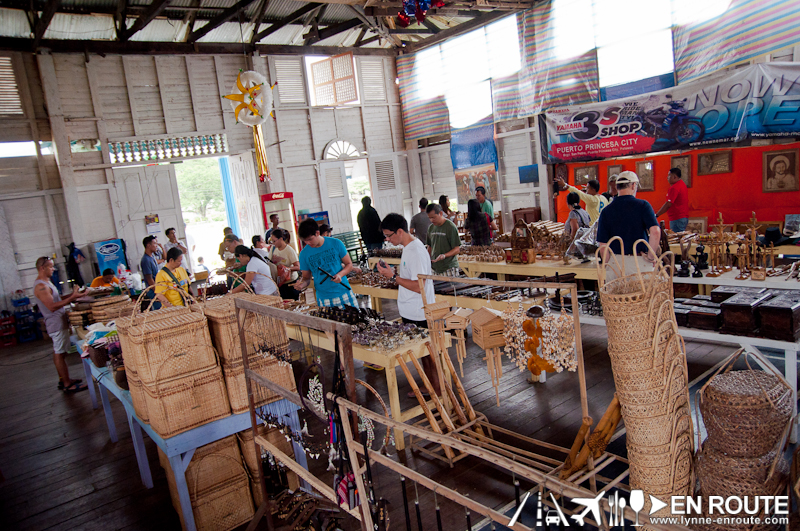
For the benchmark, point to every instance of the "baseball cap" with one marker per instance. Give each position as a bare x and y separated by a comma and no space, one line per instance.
627,177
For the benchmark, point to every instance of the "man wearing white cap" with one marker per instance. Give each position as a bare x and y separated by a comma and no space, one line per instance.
631,219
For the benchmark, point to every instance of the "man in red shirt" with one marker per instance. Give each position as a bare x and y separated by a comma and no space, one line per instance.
677,205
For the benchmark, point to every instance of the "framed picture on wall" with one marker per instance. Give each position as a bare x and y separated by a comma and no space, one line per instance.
697,225
616,169
684,162
713,163
780,171
644,169
585,174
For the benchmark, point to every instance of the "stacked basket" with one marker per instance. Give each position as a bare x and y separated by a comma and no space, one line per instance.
648,359
218,486
748,415
264,337
180,383
251,453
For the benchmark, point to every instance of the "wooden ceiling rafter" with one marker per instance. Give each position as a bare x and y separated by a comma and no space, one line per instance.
335,29
257,20
303,11
448,33
152,11
42,22
217,21
375,26
189,19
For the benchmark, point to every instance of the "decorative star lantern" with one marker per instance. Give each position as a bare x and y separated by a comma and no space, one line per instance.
251,98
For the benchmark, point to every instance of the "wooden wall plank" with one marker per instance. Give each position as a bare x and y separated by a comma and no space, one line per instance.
73,83
227,68
349,126
206,101
114,99
302,182
323,128
98,218
378,130
294,130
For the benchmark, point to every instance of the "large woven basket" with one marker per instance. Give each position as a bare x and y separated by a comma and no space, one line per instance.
137,394
124,324
222,322
723,475
252,457
224,465
269,368
745,412
171,347
183,403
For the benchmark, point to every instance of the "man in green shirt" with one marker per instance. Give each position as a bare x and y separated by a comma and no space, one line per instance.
443,241
486,205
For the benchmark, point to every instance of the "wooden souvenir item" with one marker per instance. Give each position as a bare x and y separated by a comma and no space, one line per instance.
705,318
523,248
739,314
487,328
780,317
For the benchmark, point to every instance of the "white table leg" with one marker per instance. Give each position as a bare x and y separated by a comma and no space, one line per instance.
179,464
87,374
141,453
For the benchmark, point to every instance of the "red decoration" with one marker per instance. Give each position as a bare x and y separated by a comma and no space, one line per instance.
419,14
403,20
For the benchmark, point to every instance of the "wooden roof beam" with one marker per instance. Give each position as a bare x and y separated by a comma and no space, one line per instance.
330,31
303,11
259,16
220,19
50,10
376,28
431,26
456,30
189,19
152,11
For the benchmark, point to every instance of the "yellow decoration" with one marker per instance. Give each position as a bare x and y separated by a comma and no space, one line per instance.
251,103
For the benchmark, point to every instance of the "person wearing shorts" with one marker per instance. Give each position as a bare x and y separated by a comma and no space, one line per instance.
54,310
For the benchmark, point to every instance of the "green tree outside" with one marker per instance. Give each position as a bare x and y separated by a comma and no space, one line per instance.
200,186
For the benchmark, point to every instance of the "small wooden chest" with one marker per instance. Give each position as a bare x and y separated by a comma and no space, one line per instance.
739,316
723,293
704,318
701,298
780,317
682,316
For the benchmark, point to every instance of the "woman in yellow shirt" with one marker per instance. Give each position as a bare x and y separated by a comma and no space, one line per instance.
105,280
170,276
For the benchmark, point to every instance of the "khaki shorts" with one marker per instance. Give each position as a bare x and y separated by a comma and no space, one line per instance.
61,342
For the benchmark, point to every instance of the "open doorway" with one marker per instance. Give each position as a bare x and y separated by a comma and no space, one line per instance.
358,185
203,207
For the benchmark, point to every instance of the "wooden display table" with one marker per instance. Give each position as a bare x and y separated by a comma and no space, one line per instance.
385,359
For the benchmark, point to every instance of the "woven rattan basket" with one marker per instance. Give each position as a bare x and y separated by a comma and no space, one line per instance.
745,412
223,466
267,367
137,394
171,347
183,403
221,315
253,460
723,475
124,324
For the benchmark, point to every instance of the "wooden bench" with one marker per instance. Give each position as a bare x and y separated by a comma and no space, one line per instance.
353,243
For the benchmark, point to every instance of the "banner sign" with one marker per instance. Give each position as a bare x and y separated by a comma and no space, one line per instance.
760,101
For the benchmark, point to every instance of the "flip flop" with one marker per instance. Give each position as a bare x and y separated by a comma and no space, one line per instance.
75,387
61,383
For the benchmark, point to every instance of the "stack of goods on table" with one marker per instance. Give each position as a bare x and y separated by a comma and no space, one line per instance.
748,415
372,279
370,328
648,360
744,311
267,346
495,293
88,310
387,252
482,253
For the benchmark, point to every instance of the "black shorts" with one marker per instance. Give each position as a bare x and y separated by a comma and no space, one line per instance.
421,324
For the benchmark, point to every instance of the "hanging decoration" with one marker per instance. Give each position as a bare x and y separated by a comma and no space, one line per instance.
417,9
515,335
250,101
261,154
558,340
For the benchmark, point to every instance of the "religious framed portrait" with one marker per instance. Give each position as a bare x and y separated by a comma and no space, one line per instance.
644,169
697,225
616,169
780,171
684,163
713,163
585,174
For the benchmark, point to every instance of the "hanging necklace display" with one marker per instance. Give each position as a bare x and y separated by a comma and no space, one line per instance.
558,339
514,335
367,424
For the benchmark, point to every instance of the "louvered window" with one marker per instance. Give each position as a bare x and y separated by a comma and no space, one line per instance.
333,180
384,175
373,82
9,92
289,75
334,80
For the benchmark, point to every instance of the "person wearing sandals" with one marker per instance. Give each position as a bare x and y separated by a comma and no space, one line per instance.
172,276
54,311
257,273
578,217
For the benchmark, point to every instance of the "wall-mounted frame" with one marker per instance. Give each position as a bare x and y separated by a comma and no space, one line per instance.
644,169
697,225
684,162
713,163
779,171
585,174
616,169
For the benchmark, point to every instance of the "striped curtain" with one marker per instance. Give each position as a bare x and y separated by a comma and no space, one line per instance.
422,118
747,29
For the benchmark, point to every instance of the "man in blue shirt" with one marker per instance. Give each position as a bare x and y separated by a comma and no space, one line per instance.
327,260
149,269
631,219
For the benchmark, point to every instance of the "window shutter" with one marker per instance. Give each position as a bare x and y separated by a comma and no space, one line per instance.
334,80
384,175
289,74
333,180
9,93
373,81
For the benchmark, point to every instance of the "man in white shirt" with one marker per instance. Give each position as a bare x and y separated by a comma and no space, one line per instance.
414,261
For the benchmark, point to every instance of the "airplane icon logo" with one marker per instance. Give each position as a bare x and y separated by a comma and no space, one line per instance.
591,504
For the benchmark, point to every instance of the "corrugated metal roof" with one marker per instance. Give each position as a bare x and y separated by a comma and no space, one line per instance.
81,27
14,23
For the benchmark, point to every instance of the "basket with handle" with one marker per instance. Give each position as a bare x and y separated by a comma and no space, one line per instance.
251,455
124,324
745,412
269,368
185,402
137,394
182,338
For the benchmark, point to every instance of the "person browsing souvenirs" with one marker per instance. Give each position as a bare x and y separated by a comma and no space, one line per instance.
444,244
631,219
677,204
258,274
171,277
595,202
327,261
413,262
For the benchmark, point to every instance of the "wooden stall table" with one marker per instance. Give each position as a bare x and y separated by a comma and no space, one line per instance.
385,359
180,448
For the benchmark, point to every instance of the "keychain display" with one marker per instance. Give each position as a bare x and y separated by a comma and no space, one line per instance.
558,340
514,335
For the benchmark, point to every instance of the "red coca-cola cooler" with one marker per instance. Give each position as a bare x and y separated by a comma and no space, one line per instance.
282,204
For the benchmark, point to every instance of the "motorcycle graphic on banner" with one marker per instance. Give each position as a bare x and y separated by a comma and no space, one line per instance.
760,101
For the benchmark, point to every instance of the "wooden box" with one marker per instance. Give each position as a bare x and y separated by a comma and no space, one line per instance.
705,318
702,298
487,329
739,315
723,293
780,317
682,316
437,310
459,319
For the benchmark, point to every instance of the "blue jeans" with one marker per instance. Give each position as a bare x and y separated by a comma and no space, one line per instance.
678,225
